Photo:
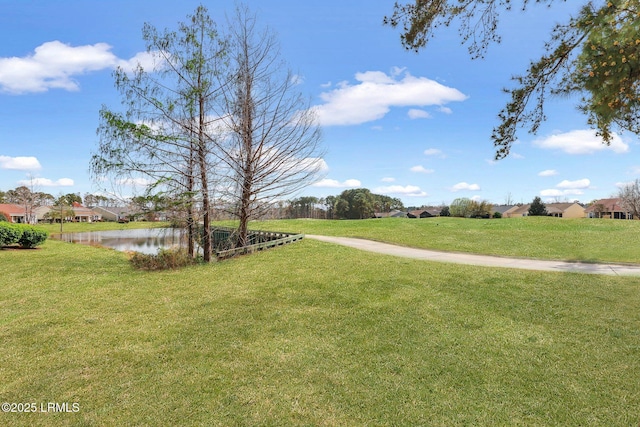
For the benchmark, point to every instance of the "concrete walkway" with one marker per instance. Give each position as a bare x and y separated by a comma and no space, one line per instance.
482,260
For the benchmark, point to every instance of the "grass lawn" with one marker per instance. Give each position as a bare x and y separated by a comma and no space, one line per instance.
70,227
587,240
314,334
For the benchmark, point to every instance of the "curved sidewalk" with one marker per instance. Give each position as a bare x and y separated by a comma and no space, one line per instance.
482,260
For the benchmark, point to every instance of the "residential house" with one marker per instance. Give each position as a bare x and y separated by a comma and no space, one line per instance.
421,213
42,213
558,210
115,213
608,208
516,211
393,214
565,210
16,213
501,209
83,214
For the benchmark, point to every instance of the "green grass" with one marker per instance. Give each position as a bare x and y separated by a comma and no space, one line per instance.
314,334
587,240
70,227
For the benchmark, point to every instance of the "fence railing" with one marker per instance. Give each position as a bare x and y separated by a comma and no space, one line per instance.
257,239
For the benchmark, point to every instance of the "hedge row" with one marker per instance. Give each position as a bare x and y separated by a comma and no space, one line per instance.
26,236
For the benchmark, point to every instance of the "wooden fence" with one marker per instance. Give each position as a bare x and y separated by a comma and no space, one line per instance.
258,240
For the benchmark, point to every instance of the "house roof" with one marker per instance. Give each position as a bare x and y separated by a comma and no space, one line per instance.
501,208
560,207
393,214
80,210
610,205
115,210
11,209
418,213
552,208
517,210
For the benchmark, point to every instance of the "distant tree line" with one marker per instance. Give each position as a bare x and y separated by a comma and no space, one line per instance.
359,203
467,208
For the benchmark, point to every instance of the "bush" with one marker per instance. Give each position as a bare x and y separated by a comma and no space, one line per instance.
165,259
497,215
25,235
4,217
32,237
9,234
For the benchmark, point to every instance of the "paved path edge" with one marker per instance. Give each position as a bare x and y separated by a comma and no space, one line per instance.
481,260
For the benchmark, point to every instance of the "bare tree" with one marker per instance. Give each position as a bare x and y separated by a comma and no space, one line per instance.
29,199
272,149
630,198
163,136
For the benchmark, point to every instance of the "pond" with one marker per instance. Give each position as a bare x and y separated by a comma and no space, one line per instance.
146,241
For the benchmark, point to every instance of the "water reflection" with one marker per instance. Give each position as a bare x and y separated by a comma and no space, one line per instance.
146,241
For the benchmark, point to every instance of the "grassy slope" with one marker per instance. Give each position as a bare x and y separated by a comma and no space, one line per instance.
314,334
588,240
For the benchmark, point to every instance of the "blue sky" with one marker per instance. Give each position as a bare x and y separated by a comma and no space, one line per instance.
413,126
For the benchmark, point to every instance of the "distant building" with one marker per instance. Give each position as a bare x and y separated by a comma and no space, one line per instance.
393,214
16,213
501,209
608,208
83,214
115,213
423,213
558,210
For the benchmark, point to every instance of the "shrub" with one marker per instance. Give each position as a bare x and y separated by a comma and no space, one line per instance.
9,234
25,235
497,215
4,217
32,237
165,259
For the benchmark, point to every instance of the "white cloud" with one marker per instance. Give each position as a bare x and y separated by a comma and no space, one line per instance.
147,60
548,172
581,142
45,182
567,188
376,93
311,163
407,190
581,183
332,183
445,110
19,163
388,179
421,169
465,186
297,79
433,152
53,65
414,113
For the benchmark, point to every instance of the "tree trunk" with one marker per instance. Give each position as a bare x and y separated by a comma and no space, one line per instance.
202,163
